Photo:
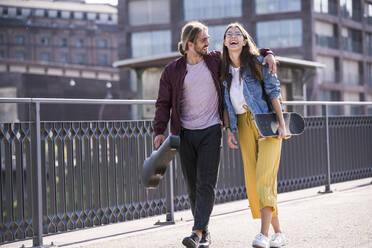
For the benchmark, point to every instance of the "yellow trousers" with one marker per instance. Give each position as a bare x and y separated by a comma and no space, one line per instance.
261,158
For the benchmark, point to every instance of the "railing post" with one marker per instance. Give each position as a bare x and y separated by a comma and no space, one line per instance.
170,195
328,182
37,213
170,191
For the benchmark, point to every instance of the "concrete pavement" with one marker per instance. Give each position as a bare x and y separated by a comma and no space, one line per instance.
309,220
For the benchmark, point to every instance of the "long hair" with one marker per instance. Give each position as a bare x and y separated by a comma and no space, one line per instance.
189,33
248,56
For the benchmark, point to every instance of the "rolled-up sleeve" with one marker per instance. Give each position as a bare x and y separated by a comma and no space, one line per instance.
271,83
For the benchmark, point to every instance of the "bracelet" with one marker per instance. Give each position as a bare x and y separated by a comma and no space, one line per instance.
227,128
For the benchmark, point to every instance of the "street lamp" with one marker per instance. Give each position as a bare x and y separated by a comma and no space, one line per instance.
108,96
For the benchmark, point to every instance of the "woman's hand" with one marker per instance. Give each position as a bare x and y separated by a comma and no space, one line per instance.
281,131
231,140
279,114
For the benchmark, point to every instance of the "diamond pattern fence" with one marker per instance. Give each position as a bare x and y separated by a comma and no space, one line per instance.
91,171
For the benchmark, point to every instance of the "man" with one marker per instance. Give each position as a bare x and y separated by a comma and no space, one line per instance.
189,86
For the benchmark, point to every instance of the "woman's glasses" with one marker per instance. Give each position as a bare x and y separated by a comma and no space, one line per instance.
237,34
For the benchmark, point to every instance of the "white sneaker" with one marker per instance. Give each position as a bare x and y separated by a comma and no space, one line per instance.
261,241
277,240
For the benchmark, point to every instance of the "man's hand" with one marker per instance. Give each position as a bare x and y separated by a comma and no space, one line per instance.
159,139
270,60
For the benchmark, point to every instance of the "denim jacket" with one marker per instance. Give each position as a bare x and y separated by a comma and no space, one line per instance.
252,91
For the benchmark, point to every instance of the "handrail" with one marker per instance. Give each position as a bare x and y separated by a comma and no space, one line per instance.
73,101
35,109
139,101
325,103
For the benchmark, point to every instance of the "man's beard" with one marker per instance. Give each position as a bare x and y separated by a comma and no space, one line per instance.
201,52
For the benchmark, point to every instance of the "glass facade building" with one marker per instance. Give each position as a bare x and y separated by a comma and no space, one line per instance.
333,32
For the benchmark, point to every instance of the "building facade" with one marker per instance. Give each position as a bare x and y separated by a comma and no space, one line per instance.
337,33
58,31
61,49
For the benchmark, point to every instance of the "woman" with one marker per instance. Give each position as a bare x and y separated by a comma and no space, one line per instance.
242,75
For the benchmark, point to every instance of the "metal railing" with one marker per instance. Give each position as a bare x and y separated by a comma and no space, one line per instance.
60,176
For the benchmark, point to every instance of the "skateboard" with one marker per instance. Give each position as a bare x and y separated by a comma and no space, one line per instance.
267,124
156,164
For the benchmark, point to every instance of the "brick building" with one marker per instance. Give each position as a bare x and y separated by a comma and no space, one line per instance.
61,49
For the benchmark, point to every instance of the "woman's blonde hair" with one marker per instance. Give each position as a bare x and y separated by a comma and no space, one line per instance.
189,33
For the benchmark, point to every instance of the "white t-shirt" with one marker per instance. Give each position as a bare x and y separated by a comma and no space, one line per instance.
236,91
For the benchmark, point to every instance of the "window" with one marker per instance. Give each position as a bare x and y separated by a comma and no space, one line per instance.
102,43
78,15
368,38
351,72
150,43
369,74
351,40
330,95
327,74
45,41
66,14
52,13
62,42
276,6
12,12
5,11
211,9
142,12
369,107
325,34
326,6
79,43
20,56
19,12
2,54
63,58
276,34
103,17
26,12
351,9
115,18
2,39
91,16
19,40
368,12
352,110
80,59
45,57
102,60
39,12
216,37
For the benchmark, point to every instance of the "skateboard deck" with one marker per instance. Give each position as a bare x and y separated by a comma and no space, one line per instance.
268,125
155,166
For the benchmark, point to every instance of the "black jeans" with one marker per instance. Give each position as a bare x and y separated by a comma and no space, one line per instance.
200,157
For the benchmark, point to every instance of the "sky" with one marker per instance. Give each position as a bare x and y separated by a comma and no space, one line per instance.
113,2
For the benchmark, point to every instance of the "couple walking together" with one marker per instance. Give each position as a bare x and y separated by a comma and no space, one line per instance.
200,92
